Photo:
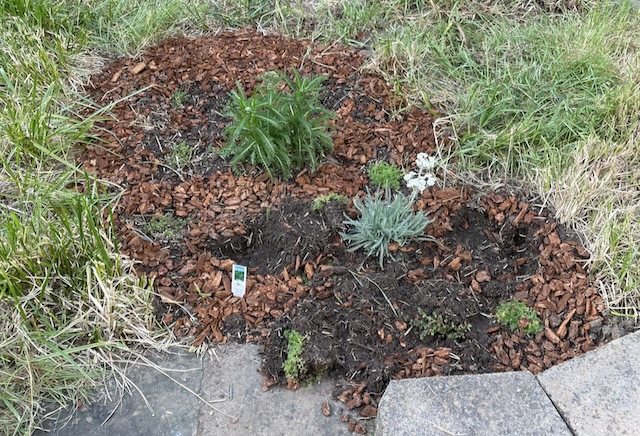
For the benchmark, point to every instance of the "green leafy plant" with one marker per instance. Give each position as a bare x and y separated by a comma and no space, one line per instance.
166,227
438,325
180,155
383,221
294,365
276,130
319,203
385,175
179,97
518,316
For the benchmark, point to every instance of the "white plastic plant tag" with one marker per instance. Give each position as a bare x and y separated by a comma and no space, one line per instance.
239,280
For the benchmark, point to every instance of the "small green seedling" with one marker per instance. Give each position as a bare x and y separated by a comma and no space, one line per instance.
320,202
165,227
294,365
385,175
178,98
180,155
438,325
518,316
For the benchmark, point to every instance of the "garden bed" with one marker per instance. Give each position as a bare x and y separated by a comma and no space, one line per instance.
186,217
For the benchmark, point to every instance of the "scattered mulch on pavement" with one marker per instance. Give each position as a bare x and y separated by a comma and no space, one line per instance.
361,322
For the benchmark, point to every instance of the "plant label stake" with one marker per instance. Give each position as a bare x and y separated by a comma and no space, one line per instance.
239,280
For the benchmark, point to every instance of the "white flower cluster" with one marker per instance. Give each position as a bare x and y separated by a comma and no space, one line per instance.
424,177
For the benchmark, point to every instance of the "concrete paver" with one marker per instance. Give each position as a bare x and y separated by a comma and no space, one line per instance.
167,409
486,404
233,375
598,393
595,394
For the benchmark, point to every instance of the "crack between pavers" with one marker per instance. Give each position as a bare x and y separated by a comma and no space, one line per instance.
571,430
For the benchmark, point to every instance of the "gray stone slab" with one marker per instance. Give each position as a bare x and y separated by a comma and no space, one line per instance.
169,410
232,375
486,404
598,393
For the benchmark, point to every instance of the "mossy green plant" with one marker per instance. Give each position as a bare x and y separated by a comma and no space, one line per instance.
320,202
294,364
438,325
165,227
385,175
519,317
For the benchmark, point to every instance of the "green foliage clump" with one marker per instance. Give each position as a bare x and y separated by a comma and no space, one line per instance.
180,155
320,202
385,175
276,130
179,97
440,326
165,227
518,316
383,221
294,365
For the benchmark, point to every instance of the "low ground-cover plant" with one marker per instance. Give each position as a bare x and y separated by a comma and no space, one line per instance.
180,155
518,316
384,220
179,97
319,203
385,175
438,325
277,130
294,365
166,227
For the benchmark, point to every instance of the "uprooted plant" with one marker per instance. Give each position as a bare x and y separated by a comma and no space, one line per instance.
277,130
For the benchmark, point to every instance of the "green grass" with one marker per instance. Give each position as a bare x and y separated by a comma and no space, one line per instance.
71,306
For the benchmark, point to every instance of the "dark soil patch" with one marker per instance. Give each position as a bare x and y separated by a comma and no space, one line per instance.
362,323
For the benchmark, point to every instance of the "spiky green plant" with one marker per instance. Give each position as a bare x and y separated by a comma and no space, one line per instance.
383,221
279,131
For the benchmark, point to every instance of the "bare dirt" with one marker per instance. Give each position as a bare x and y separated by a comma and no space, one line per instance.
361,322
